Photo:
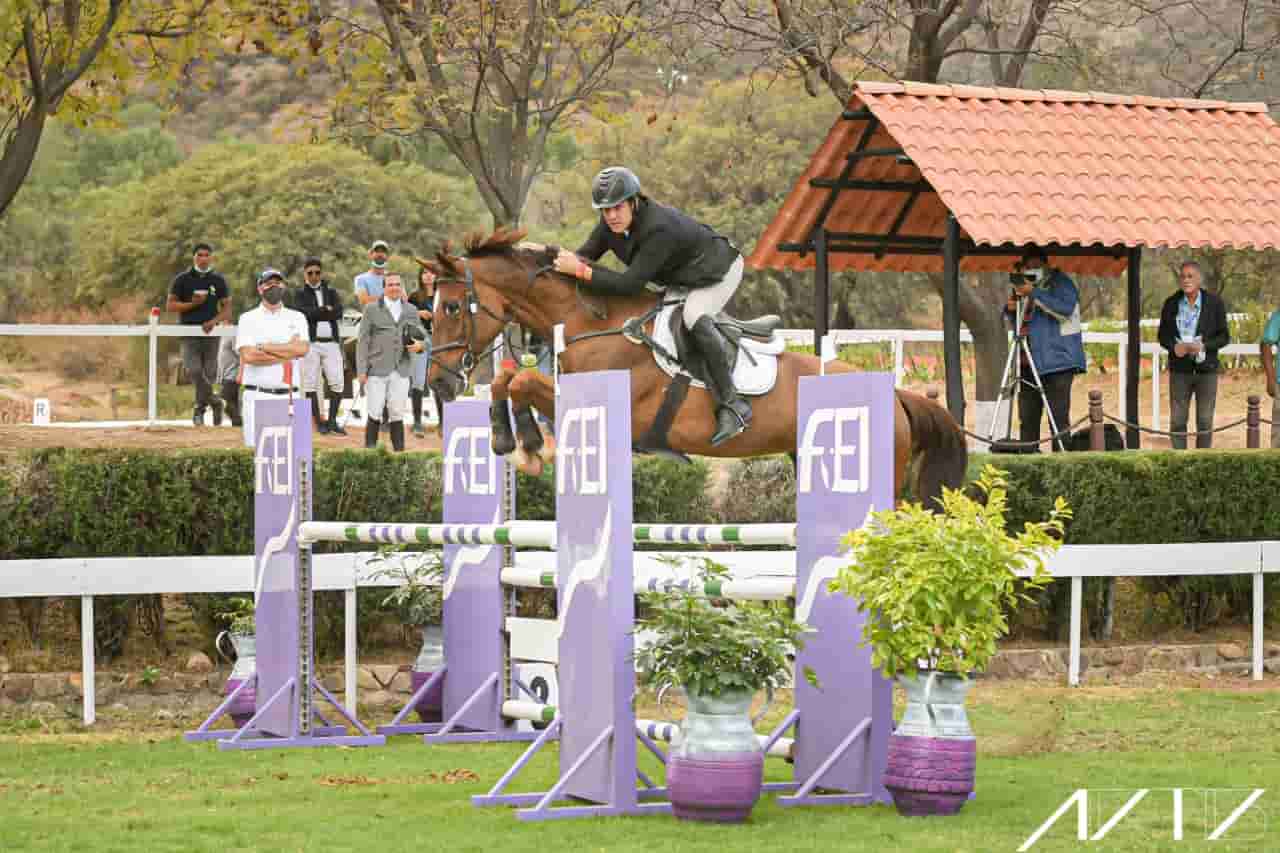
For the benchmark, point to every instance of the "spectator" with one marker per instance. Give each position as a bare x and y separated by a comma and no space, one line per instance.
423,298
369,283
1270,340
201,297
1051,323
322,307
1193,327
389,332
271,339
229,376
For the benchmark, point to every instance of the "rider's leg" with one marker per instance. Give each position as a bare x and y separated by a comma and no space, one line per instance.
733,413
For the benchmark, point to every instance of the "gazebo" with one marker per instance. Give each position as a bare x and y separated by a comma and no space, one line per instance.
918,177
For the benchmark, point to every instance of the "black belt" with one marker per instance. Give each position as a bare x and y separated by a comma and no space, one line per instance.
262,390
324,340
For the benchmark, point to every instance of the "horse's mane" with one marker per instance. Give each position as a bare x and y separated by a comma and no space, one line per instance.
477,244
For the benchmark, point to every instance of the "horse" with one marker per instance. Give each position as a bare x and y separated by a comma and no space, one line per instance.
503,281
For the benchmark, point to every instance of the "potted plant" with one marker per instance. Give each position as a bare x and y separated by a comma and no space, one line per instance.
940,586
240,632
720,655
418,600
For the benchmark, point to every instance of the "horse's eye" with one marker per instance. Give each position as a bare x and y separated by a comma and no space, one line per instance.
452,309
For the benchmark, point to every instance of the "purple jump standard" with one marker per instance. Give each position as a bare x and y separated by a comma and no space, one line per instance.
285,683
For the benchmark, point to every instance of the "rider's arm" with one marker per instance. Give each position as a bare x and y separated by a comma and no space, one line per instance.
595,247
644,268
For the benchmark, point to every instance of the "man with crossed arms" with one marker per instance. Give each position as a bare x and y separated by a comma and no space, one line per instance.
271,340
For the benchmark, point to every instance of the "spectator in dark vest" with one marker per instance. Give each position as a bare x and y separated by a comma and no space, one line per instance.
1193,327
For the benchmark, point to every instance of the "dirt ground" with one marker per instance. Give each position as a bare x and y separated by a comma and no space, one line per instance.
92,400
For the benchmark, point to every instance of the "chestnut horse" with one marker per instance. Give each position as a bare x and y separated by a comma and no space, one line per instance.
502,281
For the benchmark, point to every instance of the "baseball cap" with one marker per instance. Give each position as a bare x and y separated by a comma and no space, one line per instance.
269,274
380,244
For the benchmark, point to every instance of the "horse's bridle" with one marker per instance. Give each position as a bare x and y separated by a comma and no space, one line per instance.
471,358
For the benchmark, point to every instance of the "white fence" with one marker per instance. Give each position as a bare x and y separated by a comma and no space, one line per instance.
87,578
898,338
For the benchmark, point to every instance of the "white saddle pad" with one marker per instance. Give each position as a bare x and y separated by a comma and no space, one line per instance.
755,371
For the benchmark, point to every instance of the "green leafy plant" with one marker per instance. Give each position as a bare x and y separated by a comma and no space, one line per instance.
940,584
150,675
709,648
238,614
418,597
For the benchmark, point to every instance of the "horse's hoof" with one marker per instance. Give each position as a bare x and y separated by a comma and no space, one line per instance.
527,464
503,444
547,453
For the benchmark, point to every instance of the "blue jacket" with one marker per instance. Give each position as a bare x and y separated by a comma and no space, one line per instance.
1054,330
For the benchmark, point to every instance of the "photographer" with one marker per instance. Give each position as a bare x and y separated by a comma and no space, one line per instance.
1051,325
389,332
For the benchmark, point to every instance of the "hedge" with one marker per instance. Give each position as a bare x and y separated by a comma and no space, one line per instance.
109,503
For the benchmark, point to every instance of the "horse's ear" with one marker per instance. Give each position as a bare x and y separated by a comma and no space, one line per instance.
428,265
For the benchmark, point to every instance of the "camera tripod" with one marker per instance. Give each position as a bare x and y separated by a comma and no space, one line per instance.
1011,380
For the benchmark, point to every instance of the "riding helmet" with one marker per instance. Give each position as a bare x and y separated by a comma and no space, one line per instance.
614,185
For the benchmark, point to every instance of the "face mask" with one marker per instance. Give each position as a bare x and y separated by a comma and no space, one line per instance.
377,265
273,295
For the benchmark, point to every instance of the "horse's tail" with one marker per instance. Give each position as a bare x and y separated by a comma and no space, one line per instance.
938,443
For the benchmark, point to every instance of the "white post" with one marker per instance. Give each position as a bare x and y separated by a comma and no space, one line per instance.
1073,666
557,346
152,365
349,655
86,659
898,370
1123,373
1257,626
1155,390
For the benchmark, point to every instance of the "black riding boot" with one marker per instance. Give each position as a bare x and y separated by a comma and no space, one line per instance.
316,419
397,435
415,398
231,397
733,413
371,433
334,427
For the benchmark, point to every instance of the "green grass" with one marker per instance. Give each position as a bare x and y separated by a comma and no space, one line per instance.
120,788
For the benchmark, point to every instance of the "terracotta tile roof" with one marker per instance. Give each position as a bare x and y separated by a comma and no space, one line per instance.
1038,166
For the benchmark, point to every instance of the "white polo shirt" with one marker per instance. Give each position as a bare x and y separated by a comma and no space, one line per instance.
261,326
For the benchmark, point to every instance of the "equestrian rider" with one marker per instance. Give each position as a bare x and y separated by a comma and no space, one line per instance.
664,248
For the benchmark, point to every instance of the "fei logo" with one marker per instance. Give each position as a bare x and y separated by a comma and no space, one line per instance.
580,451
273,461
1207,807
477,467
850,437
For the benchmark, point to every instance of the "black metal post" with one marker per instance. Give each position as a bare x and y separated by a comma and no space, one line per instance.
821,288
951,319
1132,437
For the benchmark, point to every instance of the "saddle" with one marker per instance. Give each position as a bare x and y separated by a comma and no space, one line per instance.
755,343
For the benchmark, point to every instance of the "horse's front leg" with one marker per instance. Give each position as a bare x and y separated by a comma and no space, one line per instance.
530,390
504,441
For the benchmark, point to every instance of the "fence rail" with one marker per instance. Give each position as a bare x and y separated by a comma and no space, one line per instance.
897,338
89,577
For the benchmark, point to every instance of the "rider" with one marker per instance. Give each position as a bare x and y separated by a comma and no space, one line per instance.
664,248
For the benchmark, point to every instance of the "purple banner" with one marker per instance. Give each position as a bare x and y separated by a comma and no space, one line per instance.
597,610
844,469
473,598
282,442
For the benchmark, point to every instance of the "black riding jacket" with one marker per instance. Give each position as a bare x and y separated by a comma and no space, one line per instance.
664,246
303,299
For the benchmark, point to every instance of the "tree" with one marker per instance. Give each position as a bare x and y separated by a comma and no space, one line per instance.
493,81
83,56
979,40
264,205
